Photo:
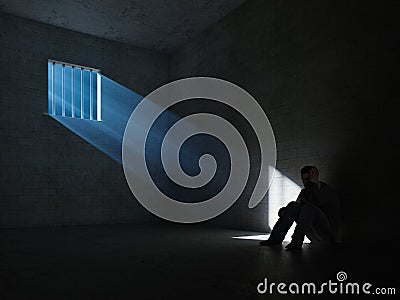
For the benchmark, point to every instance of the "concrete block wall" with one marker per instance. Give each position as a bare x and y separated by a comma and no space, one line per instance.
323,72
50,176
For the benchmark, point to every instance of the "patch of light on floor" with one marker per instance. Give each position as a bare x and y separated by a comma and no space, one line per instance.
281,192
262,237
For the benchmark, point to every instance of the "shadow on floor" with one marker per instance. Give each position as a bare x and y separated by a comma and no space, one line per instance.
172,261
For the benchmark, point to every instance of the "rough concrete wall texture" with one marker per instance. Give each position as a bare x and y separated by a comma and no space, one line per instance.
50,176
323,71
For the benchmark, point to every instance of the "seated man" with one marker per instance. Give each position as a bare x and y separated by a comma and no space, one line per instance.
311,211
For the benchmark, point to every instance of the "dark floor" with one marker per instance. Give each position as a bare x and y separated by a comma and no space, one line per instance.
173,261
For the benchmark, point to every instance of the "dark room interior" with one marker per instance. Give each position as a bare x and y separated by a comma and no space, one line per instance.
72,72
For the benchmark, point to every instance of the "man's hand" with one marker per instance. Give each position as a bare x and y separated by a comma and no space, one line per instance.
314,175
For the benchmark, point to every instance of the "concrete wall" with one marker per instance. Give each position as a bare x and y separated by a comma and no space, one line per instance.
323,72
50,176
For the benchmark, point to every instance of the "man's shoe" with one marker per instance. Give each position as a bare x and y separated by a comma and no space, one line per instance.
294,246
269,243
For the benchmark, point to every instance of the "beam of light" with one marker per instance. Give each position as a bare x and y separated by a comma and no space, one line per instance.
115,104
112,106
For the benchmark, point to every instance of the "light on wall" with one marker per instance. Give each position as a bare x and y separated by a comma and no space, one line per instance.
281,192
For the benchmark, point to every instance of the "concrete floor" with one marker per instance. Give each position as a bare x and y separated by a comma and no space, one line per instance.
172,261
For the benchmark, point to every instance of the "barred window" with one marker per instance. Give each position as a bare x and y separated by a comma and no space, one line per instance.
74,91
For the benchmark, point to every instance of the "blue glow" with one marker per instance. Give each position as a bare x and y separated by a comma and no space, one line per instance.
118,102
68,91
58,88
72,90
77,93
117,105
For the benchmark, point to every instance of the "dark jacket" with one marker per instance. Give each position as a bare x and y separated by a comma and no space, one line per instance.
323,196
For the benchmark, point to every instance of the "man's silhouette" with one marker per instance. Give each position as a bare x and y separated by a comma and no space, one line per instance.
312,211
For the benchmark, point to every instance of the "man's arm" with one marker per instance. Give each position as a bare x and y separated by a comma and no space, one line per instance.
300,197
313,194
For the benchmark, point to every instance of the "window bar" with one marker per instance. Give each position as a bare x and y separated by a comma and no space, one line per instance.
73,92
90,97
53,100
82,93
98,97
63,91
73,65
94,112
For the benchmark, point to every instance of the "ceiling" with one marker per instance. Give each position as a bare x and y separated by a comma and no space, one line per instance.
152,24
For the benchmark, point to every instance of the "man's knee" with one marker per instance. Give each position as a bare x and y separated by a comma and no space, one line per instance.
291,207
293,204
281,211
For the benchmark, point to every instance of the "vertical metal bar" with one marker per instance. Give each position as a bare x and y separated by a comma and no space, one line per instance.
82,93
94,108
91,97
63,91
98,97
73,93
53,100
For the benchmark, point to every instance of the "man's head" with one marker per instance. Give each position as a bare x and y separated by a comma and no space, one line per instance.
309,173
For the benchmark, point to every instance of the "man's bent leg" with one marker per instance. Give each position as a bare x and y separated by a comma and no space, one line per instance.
306,218
285,221
321,227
